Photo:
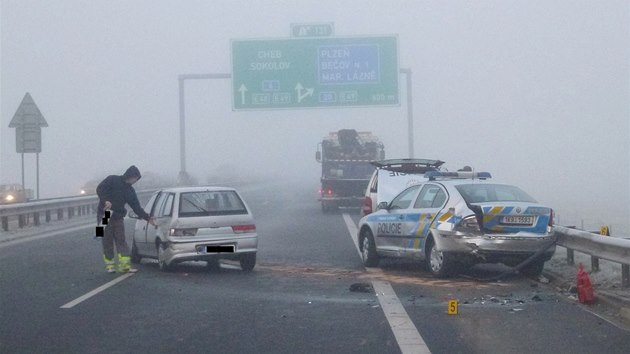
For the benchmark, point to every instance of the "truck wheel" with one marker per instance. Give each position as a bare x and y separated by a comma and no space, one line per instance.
368,250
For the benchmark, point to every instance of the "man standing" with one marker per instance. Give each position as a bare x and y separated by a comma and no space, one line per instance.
113,193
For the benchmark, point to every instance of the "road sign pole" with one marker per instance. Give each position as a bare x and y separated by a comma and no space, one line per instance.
407,73
182,127
23,186
37,173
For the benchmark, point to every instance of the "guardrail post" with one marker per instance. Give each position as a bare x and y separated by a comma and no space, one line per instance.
21,221
594,264
70,212
570,259
47,215
36,218
5,223
625,275
60,214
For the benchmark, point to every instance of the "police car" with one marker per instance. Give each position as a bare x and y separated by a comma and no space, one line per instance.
456,219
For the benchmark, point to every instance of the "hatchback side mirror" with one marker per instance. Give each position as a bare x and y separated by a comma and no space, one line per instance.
382,205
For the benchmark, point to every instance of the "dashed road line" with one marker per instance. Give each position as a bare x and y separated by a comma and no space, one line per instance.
101,288
407,336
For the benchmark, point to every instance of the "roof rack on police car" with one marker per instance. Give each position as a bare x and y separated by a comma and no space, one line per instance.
433,175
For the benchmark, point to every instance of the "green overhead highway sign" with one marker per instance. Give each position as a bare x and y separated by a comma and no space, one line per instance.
315,72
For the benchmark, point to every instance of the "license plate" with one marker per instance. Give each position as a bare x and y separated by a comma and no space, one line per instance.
216,249
517,220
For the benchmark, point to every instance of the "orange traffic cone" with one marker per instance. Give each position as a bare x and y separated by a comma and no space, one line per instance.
584,287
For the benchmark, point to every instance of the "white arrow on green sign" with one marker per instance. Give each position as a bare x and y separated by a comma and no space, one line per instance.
315,72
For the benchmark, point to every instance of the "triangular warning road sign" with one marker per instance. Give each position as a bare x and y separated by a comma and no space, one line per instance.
28,113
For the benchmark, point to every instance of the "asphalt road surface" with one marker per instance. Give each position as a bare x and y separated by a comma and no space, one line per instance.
55,297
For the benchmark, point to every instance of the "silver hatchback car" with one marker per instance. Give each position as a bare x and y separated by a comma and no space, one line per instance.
196,224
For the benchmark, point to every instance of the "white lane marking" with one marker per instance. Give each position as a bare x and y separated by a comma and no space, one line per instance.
407,336
23,239
406,333
96,291
352,228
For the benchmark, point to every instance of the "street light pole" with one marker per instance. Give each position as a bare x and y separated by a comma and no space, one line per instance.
407,73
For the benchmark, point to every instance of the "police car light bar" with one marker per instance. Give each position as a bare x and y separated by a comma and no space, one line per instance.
432,175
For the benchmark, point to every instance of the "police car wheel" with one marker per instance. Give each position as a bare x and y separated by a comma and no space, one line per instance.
135,257
368,250
438,262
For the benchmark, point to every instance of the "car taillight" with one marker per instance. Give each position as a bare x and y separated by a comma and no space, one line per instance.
183,232
326,192
242,229
468,224
367,206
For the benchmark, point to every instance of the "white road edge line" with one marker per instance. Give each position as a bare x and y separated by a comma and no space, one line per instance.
407,336
352,228
96,291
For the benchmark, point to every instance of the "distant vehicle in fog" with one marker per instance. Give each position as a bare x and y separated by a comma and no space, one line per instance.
345,157
89,188
14,193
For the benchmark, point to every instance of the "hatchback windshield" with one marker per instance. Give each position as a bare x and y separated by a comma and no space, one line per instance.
210,203
481,193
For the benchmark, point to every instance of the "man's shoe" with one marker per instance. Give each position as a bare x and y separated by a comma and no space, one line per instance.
110,270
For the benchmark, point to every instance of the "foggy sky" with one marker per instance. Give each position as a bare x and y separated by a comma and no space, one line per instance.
536,92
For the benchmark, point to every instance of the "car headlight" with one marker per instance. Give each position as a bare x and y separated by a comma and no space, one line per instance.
9,198
82,191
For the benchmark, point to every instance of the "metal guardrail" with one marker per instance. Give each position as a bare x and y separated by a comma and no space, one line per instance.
61,207
598,247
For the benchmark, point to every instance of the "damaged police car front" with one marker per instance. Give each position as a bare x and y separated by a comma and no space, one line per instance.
456,219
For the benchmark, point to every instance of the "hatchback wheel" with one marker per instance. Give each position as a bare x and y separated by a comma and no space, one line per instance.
162,258
213,264
248,261
135,257
368,250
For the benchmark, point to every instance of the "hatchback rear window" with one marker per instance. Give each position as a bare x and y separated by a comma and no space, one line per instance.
208,203
482,193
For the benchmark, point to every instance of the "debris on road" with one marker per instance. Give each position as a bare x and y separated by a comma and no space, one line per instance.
361,288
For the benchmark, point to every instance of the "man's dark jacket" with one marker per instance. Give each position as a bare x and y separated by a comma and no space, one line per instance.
118,192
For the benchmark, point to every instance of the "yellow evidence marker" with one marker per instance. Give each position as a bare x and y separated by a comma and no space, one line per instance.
452,307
